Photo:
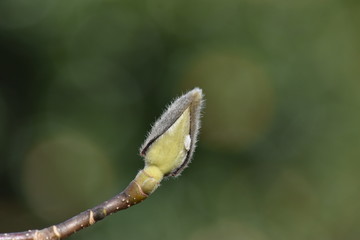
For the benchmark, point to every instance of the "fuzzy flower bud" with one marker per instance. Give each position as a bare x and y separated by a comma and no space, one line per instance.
170,144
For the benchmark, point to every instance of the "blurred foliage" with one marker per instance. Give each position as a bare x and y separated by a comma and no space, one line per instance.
278,157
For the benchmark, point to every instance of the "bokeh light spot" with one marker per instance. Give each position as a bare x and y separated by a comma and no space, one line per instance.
239,96
66,174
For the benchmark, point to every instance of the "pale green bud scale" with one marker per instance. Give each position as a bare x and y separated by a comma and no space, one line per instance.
168,151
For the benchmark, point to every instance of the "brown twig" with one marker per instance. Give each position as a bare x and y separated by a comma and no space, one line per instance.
132,195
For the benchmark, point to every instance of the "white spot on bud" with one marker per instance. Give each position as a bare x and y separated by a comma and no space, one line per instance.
187,142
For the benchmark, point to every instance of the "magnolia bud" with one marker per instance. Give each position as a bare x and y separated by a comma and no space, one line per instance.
170,144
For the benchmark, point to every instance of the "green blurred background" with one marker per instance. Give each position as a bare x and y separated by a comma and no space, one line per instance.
278,156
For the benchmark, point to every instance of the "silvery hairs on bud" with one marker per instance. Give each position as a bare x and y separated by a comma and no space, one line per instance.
192,100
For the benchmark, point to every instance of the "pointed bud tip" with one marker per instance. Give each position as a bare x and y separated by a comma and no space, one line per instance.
197,93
